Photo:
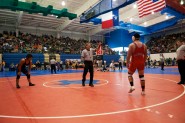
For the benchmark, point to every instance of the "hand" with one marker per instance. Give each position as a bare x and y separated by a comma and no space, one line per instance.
28,72
83,65
19,73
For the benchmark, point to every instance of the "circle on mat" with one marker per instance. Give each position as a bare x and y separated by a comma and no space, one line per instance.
72,83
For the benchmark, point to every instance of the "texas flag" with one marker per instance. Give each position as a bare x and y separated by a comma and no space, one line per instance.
110,19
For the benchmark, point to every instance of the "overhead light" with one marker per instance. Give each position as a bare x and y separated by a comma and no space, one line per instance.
153,12
165,13
145,23
182,2
113,0
63,3
167,17
131,19
134,6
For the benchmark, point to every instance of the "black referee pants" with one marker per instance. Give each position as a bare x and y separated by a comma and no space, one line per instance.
181,67
162,65
120,65
88,67
53,67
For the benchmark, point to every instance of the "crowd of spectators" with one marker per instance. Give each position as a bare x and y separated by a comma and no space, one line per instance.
164,44
29,43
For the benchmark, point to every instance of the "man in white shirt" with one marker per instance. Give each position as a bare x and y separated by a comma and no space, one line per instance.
181,59
53,65
87,57
120,63
162,59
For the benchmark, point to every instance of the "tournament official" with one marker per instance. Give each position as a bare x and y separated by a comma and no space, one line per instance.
181,60
53,65
87,57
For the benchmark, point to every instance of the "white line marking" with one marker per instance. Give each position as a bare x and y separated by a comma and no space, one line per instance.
170,116
157,112
148,110
117,84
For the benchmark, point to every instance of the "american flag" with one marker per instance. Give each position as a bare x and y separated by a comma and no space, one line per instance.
146,7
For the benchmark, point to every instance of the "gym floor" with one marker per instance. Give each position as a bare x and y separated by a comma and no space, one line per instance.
58,98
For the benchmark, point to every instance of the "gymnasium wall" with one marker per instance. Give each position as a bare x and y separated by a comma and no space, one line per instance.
107,58
119,38
63,57
16,57
166,55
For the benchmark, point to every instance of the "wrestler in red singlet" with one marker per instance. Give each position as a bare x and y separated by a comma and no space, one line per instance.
136,58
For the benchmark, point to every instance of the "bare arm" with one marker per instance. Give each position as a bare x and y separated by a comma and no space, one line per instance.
20,65
129,53
145,53
30,66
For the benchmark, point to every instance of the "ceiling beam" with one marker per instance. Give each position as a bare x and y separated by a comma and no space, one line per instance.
128,13
41,28
156,20
84,24
8,14
7,17
7,11
41,20
19,19
83,8
29,27
6,21
96,30
44,17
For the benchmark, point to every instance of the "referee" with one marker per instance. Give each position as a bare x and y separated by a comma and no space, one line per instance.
87,57
53,65
181,59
